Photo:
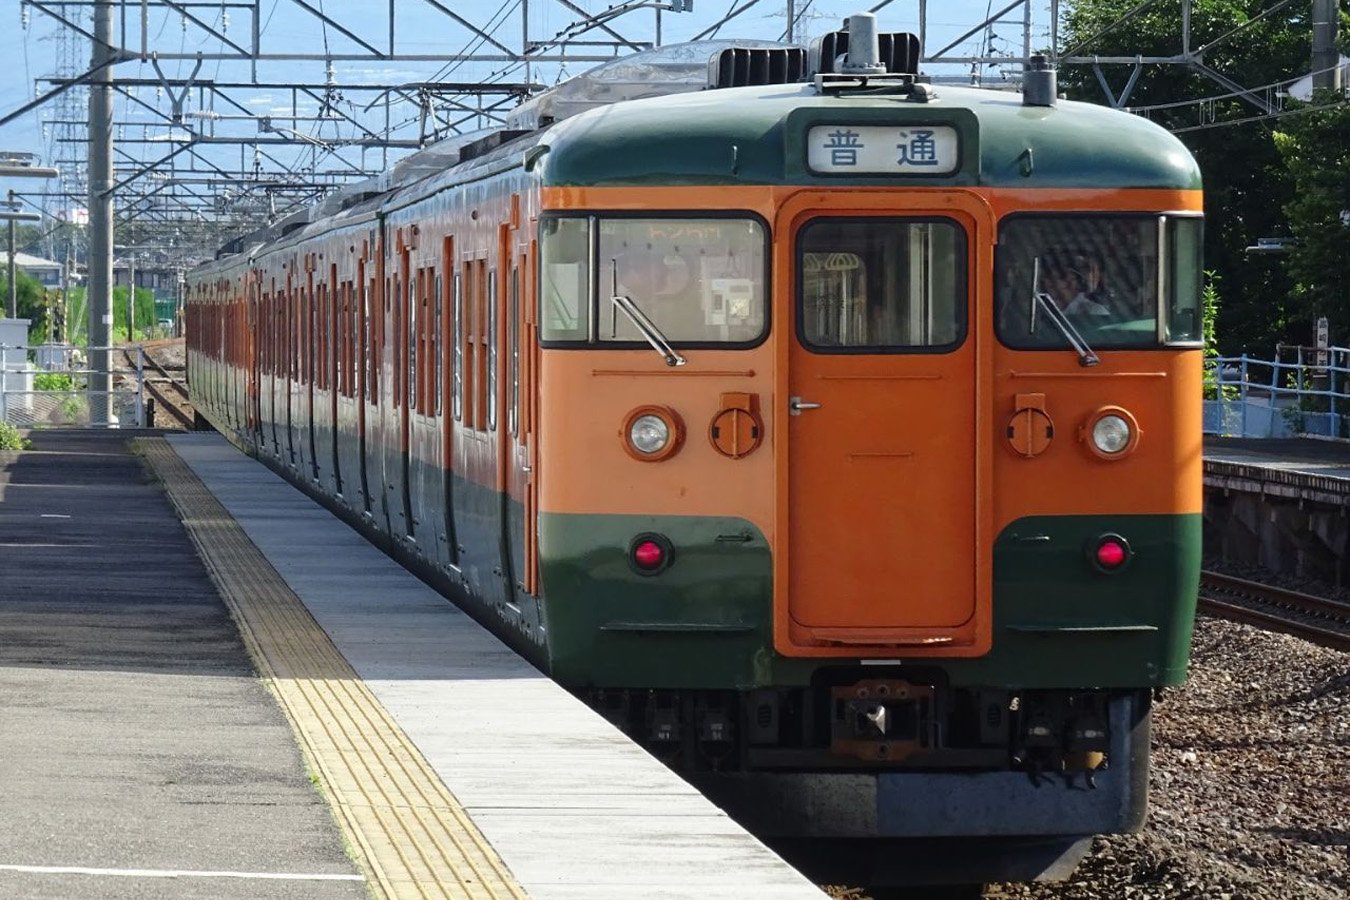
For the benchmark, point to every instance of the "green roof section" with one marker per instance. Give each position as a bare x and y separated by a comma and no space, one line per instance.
755,135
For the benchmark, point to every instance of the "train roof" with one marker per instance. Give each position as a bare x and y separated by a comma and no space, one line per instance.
738,112
687,139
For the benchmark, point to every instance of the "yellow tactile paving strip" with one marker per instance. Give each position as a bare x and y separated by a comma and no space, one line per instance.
412,836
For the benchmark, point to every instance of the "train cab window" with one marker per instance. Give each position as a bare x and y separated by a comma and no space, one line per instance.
698,281
565,279
1104,276
1184,278
881,285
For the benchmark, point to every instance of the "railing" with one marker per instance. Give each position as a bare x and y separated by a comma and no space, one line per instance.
24,405
1304,391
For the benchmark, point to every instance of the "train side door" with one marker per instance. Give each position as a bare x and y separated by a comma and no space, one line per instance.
881,420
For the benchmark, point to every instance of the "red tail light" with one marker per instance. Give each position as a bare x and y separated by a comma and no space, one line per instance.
650,554
1111,552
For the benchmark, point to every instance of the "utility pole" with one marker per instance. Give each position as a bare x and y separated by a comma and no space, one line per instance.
131,298
1326,58
100,212
13,264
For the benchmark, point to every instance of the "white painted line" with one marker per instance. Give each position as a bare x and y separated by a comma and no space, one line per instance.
54,516
177,873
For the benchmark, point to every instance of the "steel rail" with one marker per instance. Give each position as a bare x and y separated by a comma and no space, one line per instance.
153,386
1277,609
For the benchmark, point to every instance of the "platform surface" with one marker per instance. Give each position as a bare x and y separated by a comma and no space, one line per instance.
574,809
1324,459
140,756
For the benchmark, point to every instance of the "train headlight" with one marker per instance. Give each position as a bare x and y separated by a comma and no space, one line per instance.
652,433
1111,433
649,434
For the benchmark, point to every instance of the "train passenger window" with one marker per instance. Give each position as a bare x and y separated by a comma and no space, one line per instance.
565,279
1105,273
457,397
513,329
1185,274
881,284
492,318
437,362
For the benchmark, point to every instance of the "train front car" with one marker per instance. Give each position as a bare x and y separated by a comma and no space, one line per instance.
870,447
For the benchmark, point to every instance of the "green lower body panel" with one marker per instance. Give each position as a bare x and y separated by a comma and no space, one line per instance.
706,621
703,623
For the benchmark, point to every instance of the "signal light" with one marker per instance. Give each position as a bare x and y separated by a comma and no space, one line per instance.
1110,553
650,554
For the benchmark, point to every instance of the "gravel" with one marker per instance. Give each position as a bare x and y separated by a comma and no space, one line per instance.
1250,791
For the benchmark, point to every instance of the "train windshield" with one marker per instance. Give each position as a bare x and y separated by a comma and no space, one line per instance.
696,280
1120,281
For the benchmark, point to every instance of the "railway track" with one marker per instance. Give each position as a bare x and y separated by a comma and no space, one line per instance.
165,385
1317,619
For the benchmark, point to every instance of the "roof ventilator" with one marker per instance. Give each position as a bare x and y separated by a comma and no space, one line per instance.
1038,83
859,59
746,66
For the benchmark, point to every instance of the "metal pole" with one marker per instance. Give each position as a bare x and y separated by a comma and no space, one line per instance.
100,213
13,269
131,297
1325,56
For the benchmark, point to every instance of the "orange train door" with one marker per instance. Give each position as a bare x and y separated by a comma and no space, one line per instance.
884,517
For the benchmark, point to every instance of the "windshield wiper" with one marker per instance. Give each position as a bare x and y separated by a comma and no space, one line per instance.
1042,300
645,326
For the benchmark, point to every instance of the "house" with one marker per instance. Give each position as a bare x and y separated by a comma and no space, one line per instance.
46,272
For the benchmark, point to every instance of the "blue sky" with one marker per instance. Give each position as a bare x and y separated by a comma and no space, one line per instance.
31,53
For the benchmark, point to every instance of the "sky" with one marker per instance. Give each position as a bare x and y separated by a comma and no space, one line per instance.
30,52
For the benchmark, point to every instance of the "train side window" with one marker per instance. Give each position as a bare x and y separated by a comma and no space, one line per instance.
437,362
565,279
882,285
513,326
457,363
492,318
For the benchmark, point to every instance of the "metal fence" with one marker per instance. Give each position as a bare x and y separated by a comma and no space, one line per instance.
1304,391
49,387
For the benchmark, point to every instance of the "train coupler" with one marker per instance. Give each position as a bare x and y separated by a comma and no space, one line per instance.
883,720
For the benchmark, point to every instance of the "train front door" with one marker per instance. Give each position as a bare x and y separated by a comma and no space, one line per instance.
881,397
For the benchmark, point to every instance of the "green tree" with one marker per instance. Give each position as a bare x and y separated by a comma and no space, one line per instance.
1315,146
32,303
1247,182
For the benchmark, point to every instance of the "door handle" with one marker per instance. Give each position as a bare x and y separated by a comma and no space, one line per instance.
797,404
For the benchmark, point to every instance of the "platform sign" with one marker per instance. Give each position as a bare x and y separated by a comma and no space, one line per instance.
883,149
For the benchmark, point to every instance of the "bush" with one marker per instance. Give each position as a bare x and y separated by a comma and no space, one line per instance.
53,381
10,439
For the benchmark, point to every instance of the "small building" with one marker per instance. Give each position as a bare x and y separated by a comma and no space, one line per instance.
46,272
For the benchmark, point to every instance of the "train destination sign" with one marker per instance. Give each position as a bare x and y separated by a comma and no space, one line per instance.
883,149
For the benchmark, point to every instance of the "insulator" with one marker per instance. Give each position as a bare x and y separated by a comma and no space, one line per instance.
224,21
23,16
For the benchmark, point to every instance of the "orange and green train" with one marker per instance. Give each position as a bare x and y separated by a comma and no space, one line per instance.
838,439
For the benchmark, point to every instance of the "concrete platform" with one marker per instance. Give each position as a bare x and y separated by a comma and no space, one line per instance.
141,757
1282,504
573,809
1316,463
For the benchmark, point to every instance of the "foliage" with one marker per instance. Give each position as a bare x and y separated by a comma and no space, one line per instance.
1209,301
32,302
1248,184
11,439
1315,146
53,381
77,315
